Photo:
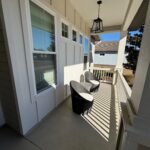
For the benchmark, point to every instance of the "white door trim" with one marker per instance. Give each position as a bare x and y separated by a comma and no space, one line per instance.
27,32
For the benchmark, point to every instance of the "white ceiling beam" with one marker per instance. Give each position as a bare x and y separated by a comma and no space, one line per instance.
133,8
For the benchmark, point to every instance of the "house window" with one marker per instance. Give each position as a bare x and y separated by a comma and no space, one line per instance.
64,30
74,35
102,54
81,39
44,54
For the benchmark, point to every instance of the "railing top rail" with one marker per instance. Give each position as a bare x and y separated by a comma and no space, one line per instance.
103,69
125,85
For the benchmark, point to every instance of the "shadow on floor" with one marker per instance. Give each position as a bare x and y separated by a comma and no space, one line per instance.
105,117
67,131
64,130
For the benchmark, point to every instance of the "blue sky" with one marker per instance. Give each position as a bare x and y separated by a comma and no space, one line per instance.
134,32
86,46
114,36
110,36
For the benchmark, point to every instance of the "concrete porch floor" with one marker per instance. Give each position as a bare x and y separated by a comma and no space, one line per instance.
64,130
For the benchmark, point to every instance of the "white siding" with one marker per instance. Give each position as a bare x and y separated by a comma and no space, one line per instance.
27,110
69,58
7,98
107,59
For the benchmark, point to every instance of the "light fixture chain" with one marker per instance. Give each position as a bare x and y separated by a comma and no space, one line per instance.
98,10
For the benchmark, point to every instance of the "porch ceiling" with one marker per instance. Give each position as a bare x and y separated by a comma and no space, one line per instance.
112,12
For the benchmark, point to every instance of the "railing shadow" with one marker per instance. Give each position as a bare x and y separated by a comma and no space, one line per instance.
104,117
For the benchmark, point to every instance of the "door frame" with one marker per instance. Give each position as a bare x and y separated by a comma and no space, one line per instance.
28,40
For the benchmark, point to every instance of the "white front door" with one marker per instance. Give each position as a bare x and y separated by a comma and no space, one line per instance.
43,51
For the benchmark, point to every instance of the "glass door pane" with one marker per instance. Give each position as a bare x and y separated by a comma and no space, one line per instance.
44,66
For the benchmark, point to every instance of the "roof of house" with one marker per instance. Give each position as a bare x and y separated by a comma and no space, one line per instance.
95,38
106,46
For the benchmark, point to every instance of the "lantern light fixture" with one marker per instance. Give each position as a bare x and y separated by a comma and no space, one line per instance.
97,23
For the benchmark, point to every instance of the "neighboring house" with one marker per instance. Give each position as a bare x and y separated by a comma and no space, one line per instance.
106,53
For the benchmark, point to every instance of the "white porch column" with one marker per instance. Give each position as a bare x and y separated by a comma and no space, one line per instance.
139,130
92,57
121,54
121,51
140,92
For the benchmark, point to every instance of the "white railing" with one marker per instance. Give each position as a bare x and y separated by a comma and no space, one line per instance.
125,85
123,89
122,92
104,74
115,77
108,75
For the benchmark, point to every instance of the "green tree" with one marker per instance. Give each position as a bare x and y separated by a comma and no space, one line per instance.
132,48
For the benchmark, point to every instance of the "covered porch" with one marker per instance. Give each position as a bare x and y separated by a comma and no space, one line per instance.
35,94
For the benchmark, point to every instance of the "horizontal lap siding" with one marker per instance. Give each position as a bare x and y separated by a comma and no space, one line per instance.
7,98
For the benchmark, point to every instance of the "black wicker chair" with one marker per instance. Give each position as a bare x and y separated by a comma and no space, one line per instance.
89,77
80,102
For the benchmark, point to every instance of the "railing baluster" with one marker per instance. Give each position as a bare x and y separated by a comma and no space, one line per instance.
99,74
105,74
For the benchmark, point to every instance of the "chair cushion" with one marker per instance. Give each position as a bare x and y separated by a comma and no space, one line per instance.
86,96
87,85
94,82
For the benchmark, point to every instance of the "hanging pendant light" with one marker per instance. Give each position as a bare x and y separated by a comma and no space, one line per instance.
97,23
